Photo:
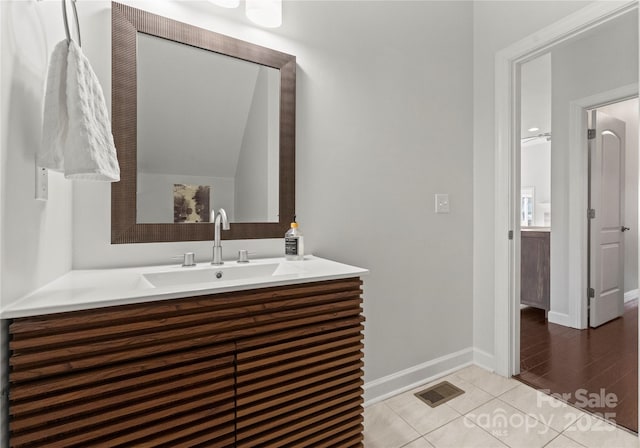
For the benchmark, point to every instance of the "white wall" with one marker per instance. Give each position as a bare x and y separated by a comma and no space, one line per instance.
36,236
627,111
497,24
383,122
602,61
155,195
251,178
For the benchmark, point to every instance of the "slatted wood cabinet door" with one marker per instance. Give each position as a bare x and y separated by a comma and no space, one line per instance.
272,367
120,377
302,386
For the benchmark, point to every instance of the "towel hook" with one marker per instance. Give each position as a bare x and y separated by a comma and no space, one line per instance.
66,20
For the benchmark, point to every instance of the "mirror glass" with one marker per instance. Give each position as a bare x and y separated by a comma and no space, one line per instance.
208,135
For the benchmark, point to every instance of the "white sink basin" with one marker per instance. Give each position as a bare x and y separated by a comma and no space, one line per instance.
210,274
98,288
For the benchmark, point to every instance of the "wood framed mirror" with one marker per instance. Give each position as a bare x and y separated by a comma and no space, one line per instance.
130,223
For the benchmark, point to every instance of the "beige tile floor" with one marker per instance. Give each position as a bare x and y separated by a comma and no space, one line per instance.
493,412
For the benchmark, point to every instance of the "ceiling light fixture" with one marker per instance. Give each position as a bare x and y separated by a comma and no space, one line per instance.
533,129
267,13
226,3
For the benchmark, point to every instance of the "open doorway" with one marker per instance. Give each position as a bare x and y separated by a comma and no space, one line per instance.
569,206
601,359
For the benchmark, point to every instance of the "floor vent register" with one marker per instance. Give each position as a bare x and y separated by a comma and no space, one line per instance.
440,393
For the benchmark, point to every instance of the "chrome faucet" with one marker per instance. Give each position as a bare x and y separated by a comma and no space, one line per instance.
217,247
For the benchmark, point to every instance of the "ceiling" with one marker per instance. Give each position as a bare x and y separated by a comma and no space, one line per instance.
193,107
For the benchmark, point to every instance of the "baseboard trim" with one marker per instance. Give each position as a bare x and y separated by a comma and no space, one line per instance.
631,295
483,359
407,379
559,318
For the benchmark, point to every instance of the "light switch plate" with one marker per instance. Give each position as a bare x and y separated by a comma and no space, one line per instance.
442,203
42,183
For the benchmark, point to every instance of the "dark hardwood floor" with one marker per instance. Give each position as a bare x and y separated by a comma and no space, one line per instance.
566,360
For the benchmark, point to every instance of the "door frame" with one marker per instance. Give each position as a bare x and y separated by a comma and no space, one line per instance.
507,172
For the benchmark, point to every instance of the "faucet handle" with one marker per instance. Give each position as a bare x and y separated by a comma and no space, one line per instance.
188,259
243,255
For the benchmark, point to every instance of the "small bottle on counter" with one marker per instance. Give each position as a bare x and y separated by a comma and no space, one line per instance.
294,243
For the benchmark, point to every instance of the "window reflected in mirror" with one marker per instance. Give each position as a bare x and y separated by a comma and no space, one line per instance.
527,207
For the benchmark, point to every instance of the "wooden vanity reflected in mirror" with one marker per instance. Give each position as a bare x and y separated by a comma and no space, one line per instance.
143,139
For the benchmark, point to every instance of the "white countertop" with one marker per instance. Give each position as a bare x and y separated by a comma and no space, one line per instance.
535,229
89,289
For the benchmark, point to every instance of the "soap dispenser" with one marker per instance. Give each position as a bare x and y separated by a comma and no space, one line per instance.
294,243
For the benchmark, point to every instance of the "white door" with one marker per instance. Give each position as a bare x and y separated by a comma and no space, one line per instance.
607,227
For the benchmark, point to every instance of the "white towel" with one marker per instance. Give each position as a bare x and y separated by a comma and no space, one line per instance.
77,136
55,119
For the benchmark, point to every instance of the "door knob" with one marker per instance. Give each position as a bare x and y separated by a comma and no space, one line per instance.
625,228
